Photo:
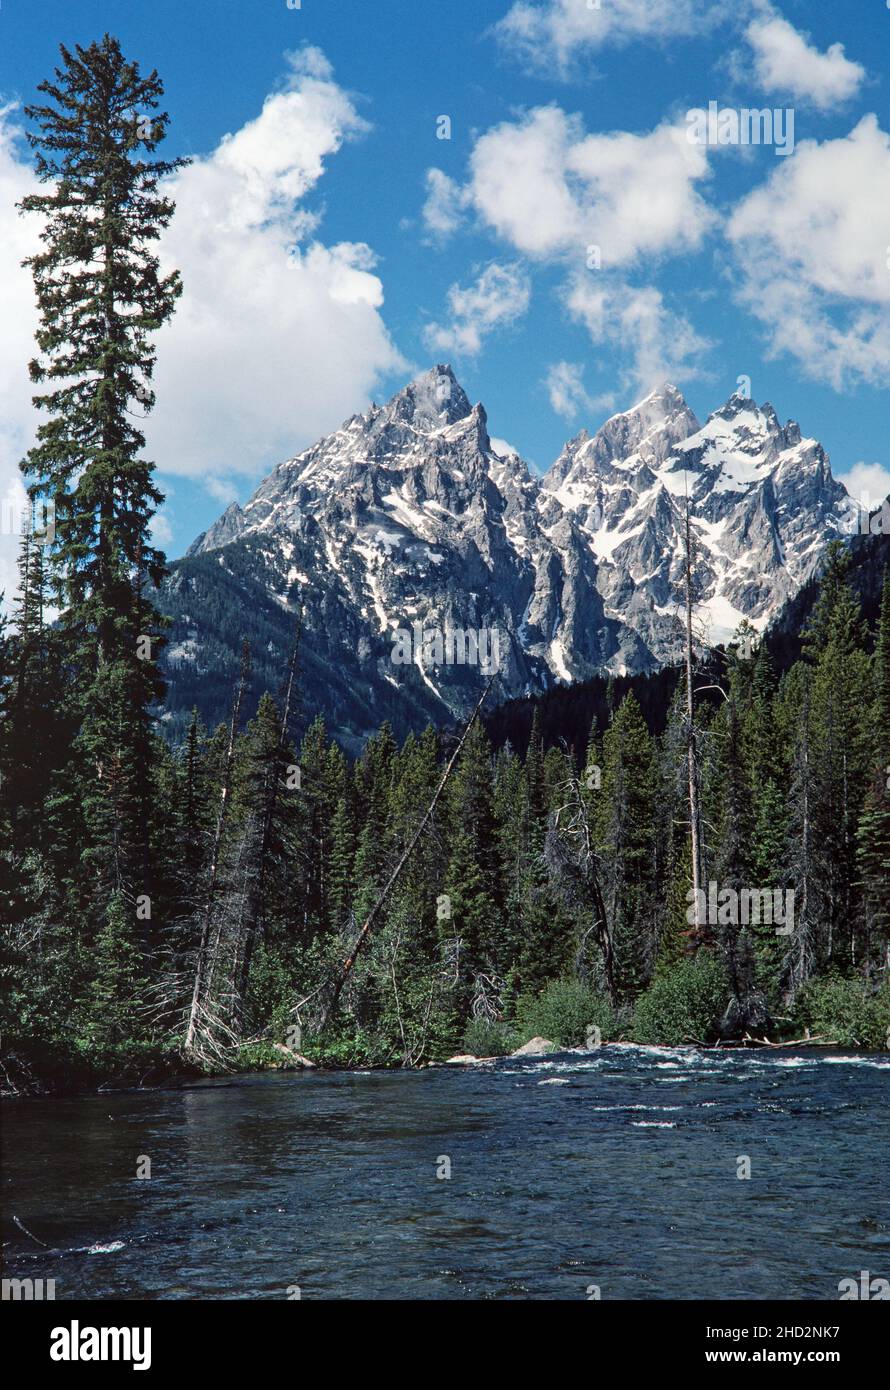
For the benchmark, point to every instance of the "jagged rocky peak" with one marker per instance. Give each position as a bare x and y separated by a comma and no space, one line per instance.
227,528
646,434
750,423
754,428
651,428
742,442
431,401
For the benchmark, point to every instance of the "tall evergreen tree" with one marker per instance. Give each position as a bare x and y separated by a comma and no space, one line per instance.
543,931
473,914
841,701
626,840
100,297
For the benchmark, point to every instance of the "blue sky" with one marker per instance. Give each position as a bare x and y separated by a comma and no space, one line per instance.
324,264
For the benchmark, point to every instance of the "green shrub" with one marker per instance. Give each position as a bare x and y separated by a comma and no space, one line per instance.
565,1012
845,1012
682,1005
349,1046
484,1037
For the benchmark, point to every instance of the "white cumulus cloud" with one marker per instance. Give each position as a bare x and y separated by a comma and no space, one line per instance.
811,246
662,344
443,210
277,335
544,33
497,298
597,205
552,190
569,396
785,61
868,483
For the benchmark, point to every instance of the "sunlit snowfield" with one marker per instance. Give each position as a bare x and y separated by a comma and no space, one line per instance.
616,1169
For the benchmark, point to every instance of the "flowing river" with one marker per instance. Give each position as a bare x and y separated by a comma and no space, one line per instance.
617,1170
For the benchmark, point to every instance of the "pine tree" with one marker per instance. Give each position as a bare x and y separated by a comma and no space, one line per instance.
835,612
542,928
341,876
470,884
265,860
192,810
374,851
96,271
841,699
510,814
418,986
673,842
626,842
342,835
805,871
575,870
767,764
673,935
315,798
535,778
100,298
119,979
34,698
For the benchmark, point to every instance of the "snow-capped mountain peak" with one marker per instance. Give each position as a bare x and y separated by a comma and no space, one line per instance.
409,514
431,401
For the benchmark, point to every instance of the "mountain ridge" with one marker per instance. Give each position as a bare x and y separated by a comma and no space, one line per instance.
409,515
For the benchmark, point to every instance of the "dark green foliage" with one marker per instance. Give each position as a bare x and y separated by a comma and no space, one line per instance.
568,1013
873,847
625,834
117,1002
845,1012
486,1038
81,767
683,1004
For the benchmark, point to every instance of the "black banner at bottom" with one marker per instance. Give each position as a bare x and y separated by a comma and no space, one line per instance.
165,1337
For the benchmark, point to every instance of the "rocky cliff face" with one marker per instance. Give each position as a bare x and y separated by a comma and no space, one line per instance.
425,559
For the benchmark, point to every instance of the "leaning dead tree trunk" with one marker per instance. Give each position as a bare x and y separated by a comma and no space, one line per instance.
329,1004
206,956
691,752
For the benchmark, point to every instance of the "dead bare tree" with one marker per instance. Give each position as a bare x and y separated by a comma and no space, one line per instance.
572,861
488,997
695,827
199,1012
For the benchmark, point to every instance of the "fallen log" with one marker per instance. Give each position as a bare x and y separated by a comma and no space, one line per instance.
748,1041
